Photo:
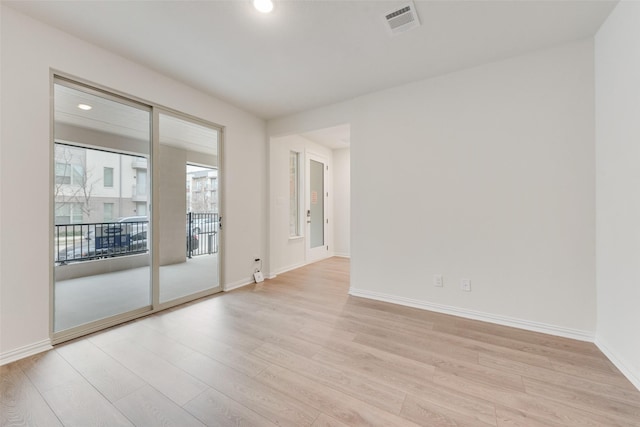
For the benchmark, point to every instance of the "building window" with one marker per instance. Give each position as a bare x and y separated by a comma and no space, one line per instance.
68,213
69,174
108,177
108,211
294,194
141,208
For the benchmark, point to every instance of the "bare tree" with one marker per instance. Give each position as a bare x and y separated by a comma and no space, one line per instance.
74,181
86,187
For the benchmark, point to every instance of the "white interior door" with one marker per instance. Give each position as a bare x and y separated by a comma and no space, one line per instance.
316,208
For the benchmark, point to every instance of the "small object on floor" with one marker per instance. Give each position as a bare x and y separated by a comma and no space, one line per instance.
258,276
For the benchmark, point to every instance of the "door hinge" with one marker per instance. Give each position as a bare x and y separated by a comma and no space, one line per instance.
327,247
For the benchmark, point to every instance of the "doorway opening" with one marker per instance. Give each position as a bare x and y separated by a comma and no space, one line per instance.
309,197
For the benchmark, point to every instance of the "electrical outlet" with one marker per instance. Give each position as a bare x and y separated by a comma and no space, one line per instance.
465,284
437,280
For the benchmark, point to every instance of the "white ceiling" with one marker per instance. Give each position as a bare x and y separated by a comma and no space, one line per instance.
334,137
310,53
109,116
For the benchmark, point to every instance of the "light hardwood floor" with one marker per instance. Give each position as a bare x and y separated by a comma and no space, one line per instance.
298,351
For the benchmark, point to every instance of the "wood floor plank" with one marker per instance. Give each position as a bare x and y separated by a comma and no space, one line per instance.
185,341
560,354
165,377
553,343
215,409
279,408
342,379
149,407
454,402
582,399
103,372
48,370
398,372
507,417
20,403
551,376
535,406
180,323
325,420
320,333
491,376
77,403
585,371
336,404
427,413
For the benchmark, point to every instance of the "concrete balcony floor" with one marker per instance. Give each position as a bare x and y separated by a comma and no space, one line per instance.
86,299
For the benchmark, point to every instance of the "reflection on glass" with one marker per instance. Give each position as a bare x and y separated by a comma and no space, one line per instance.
101,236
188,250
316,176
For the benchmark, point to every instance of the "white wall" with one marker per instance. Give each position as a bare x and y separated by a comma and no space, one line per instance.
288,253
486,174
617,79
29,50
342,202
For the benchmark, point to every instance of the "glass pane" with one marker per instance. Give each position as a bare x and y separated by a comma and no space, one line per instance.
316,177
188,250
101,254
108,177
294,194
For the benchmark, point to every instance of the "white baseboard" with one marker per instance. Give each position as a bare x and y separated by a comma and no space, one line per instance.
26,351
632,376
342,254
275,273
478,315
235,285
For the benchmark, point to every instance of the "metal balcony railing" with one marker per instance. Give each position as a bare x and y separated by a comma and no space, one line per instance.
203,229
81,242
88,241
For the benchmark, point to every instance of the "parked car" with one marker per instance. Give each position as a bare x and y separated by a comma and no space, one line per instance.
86,249
130,224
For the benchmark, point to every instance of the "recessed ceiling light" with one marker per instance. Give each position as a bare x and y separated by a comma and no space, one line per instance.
264,6
85,107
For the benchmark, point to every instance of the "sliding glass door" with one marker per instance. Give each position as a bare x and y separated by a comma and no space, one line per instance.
136,209
189,216
101,230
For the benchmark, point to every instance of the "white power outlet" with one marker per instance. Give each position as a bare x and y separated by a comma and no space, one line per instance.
465,285
437,280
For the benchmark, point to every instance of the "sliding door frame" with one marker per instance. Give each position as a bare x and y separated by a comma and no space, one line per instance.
155,197
57,76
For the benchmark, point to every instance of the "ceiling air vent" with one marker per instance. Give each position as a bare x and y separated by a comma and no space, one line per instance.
403,18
